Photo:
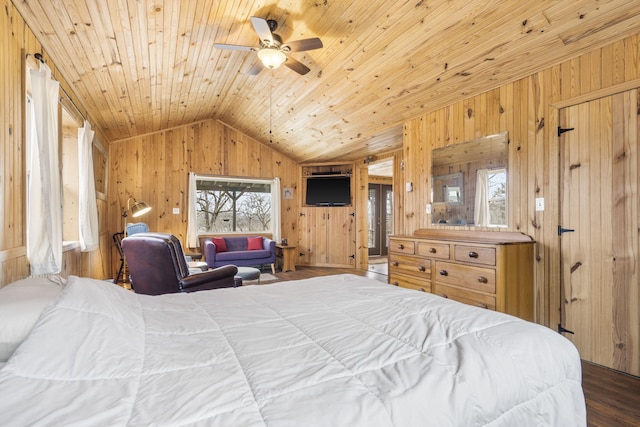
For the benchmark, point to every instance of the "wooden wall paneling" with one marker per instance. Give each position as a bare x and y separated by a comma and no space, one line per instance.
538,187
16,40
12,181
155,167
633,361
361,199
548,284
626,184
413,131
175,171
398,192
14,265
631,58
528,111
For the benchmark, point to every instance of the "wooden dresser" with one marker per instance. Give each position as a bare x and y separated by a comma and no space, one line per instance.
493,270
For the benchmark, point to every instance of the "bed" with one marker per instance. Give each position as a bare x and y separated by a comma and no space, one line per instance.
340,350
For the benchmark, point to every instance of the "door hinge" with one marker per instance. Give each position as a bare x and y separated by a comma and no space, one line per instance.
563,130
564,230
562,330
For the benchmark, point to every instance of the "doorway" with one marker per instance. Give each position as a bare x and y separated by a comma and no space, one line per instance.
380,218
599,242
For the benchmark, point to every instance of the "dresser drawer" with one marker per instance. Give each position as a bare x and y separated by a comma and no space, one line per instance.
402,246
410,282
475,254
420,267
433,250
468,297
476,278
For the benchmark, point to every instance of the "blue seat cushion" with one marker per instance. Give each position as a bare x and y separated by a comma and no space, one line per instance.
242,255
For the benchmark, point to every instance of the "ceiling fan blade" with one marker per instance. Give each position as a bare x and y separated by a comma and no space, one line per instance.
303,45
233,46
297,66
256,68
262,29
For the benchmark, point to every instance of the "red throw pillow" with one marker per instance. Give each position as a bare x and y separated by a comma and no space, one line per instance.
221,245
254,243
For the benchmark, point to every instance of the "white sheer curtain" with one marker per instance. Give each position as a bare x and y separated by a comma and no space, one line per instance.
192,219
275,209
88,209
481,214
44,192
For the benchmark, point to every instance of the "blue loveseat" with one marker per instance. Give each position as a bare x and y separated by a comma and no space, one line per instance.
240,251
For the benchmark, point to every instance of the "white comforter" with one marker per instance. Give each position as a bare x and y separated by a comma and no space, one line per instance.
330,351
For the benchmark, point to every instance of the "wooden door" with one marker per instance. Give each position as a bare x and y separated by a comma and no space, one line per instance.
599,200
312,236
341,235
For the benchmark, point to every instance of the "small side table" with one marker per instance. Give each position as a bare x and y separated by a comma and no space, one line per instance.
286,256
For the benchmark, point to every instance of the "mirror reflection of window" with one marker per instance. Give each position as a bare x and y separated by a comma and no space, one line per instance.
454,195
457,197
491,197
498,198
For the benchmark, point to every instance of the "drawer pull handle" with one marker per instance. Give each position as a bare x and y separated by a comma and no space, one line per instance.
482,279
395,263
422,290
395,284
445,296
432,250
444,273
421,268
483,305
400,246
473,254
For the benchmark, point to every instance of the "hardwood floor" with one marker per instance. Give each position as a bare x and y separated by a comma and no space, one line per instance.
612,398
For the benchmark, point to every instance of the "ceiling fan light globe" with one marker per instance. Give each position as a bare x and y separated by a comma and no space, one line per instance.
271,57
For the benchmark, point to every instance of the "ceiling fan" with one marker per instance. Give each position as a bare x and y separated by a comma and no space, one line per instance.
272,52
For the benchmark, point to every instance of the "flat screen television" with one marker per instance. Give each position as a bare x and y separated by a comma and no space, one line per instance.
328,191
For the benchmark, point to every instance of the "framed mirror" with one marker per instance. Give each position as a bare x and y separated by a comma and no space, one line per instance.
469,182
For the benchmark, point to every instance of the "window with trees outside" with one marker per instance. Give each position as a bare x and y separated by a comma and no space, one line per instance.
230,205
497,197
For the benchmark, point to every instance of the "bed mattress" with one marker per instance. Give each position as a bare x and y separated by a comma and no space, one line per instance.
340,350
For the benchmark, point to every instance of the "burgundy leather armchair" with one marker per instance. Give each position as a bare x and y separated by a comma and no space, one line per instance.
157,265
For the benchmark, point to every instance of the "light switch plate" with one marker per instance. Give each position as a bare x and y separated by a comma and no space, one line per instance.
176,211
539,204
428,209
409,187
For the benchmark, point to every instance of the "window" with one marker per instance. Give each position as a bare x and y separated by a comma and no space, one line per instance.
67,154
498,197
230,205
70,184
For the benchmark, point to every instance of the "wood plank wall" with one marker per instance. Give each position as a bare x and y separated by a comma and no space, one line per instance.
155,167
16,39
528,110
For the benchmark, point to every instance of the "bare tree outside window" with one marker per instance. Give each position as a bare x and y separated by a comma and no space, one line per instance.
498,197
232,206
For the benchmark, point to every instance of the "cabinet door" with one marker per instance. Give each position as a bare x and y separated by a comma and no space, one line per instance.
341,243
327,237
312,236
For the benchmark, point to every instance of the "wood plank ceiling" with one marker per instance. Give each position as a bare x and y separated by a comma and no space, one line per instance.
147,65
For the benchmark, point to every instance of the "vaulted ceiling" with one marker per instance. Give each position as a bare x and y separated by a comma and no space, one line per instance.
140,66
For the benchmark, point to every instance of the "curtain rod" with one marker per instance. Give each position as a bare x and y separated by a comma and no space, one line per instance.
38,57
